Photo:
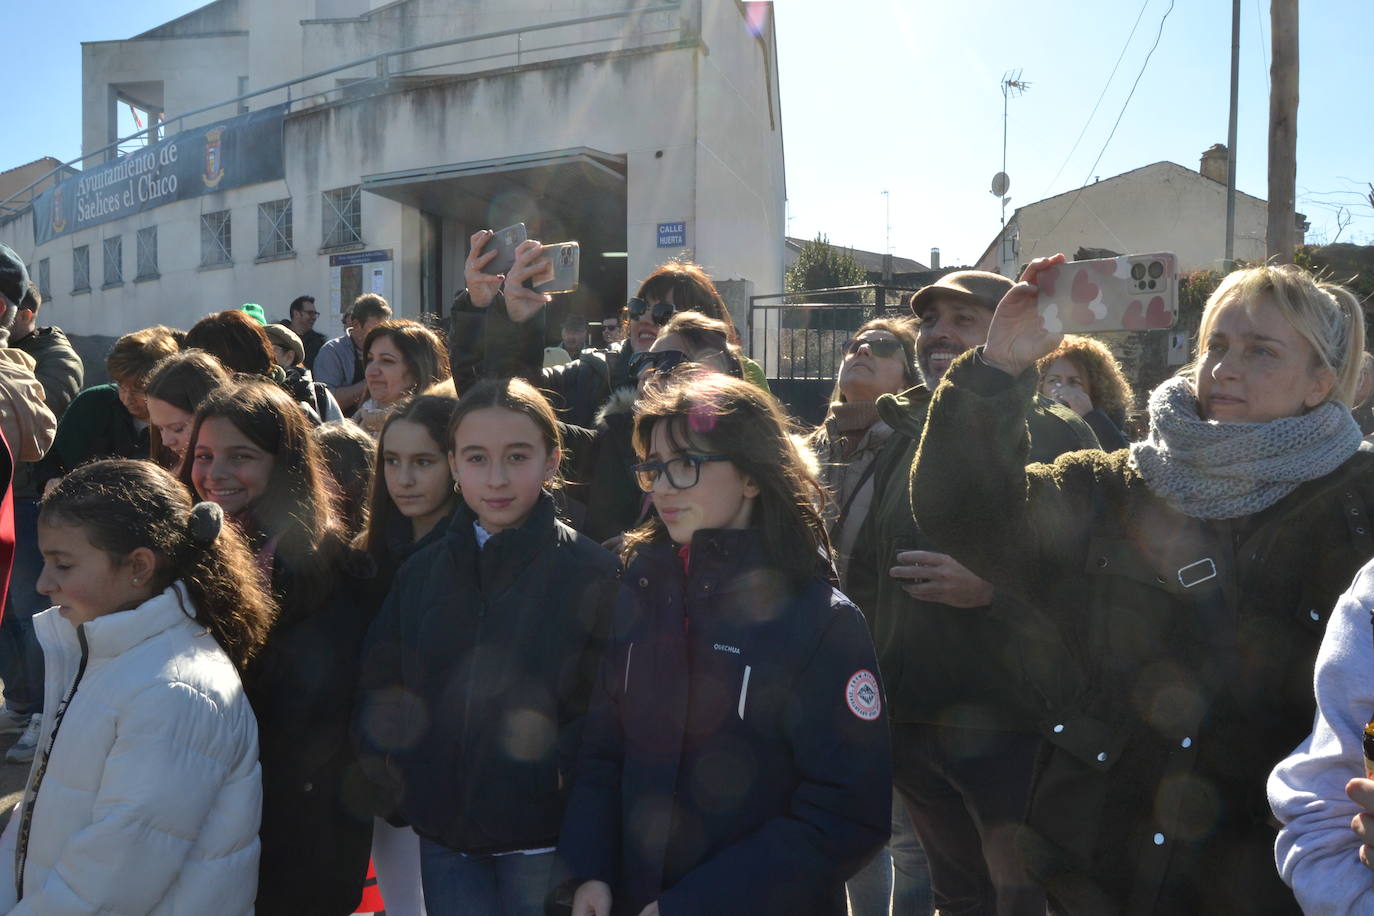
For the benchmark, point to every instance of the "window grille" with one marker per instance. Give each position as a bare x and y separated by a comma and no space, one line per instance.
215,239
343,217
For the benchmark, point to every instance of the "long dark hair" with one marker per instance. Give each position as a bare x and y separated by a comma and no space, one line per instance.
122,505
430,411
690,288
236,340
710,413
183,380
347,451
295,508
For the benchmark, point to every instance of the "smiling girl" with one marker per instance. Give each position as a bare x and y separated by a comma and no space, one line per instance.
477,671
252,453
736,755
148,769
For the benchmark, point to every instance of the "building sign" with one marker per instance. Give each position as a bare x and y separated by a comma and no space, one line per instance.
350,258
672,235
226,154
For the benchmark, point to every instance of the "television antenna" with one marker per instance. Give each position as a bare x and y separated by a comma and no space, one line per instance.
1013,86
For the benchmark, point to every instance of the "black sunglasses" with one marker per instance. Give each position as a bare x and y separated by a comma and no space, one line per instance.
661,361
882,347
660,312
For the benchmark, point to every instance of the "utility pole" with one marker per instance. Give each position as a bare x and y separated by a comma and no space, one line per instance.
1229,264
1283,131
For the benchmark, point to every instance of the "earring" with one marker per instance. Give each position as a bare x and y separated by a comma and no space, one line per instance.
457,488
137,580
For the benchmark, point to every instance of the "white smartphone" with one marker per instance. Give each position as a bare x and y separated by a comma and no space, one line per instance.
567,266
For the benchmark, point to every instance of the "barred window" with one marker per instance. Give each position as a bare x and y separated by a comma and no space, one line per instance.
274,229
147,253
44,278
114,260
81,269
343,217
215,239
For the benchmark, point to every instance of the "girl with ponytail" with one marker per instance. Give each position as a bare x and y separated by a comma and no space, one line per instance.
148,768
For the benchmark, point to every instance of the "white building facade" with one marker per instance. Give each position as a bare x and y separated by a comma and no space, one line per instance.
644,130
1159,207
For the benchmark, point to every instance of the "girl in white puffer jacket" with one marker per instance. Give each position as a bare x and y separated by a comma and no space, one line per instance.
145,794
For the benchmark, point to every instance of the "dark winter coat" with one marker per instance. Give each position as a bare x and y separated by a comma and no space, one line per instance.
736,757
486,343
316,826
59,370
602,499
963,667
1192,646
95,425
475,681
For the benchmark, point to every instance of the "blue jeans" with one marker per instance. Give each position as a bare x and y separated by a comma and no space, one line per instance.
897,881
509,885
21,658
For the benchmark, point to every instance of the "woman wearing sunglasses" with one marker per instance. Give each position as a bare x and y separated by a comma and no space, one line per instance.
603,499
499,328
879,359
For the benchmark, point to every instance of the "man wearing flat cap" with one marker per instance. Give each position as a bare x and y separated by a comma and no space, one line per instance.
955,651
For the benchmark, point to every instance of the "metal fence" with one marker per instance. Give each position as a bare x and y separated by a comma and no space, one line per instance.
798,338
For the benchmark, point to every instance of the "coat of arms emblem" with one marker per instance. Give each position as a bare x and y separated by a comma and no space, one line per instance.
214,157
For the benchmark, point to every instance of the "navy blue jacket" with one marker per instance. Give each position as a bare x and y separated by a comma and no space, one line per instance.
475,679
736,756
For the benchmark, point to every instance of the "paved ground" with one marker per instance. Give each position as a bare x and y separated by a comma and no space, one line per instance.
12,779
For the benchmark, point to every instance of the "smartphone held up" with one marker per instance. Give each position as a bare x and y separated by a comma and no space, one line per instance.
1134,292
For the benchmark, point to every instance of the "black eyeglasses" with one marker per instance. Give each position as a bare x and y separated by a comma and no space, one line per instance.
881,347
682,473
312,313
660,361
660,312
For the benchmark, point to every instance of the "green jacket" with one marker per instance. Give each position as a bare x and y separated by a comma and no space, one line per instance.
1191,645
956,666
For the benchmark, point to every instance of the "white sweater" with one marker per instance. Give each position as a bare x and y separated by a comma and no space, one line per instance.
152,795
1317,853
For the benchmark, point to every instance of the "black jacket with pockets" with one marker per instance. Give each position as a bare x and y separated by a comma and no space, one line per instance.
475,681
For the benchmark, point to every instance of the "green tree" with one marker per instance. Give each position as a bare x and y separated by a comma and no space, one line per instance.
820,265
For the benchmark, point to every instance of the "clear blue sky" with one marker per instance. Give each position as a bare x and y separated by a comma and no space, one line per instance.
903,96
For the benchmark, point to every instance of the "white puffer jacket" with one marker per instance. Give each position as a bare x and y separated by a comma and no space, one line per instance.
152,795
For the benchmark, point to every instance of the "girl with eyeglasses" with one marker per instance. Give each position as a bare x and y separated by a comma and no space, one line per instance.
736,757
477,670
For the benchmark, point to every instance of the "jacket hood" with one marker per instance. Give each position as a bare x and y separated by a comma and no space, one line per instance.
620,403
905,412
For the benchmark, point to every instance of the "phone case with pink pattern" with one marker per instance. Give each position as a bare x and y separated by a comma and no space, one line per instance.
1132,292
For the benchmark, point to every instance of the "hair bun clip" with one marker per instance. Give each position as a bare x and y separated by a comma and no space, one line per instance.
204,523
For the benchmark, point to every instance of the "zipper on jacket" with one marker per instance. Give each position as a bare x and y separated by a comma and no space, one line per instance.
26,821
744,691
629,653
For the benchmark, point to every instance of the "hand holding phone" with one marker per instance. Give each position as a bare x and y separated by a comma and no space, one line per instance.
504,244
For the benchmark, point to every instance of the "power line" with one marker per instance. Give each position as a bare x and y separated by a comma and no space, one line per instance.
1264,49
1149,54
1105,86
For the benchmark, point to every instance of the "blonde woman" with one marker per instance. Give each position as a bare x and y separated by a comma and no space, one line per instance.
1190,576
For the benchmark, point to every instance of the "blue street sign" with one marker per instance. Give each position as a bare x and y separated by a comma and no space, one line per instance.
672,235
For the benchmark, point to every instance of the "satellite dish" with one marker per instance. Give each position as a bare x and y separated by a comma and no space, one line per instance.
1000,184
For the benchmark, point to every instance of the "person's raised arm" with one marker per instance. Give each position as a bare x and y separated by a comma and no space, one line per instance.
971,491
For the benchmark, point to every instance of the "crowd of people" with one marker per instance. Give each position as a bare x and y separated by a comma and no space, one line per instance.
608,633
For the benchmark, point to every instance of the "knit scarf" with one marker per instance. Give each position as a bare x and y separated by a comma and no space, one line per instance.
1215,470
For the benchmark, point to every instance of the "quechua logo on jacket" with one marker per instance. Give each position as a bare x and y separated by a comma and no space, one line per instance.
863,696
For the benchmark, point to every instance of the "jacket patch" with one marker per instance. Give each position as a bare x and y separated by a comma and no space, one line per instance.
862,695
